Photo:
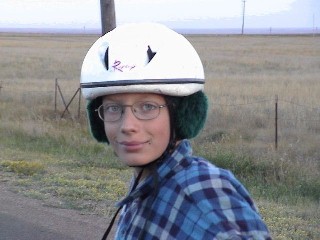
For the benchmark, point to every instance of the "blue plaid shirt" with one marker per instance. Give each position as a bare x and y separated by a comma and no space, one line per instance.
196,200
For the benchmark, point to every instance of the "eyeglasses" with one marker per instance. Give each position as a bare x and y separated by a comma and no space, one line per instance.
113,112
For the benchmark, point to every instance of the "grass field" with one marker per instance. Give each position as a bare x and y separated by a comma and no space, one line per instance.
56,160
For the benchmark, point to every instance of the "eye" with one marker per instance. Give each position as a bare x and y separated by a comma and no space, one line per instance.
112,108
148,106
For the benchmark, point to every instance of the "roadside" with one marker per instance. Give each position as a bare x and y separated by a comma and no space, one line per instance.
22,218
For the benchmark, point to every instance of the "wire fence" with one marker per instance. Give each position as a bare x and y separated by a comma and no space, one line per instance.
313,109
66,105
285,118
291,114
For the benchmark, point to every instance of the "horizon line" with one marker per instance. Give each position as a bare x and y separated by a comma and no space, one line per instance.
182,30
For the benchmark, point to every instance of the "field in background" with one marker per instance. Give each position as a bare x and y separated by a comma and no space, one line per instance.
56,160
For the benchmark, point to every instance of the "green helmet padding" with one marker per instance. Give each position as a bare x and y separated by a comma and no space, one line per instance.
95,123
188,115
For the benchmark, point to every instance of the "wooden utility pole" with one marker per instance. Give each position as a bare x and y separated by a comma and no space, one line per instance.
108,16
243,13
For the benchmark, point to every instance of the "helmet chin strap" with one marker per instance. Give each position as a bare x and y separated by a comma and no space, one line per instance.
107,232
152,166
153,169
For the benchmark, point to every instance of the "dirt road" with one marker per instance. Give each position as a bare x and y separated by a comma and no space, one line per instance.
22,218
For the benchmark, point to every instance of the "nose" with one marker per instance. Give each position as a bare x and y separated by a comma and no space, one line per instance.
129,122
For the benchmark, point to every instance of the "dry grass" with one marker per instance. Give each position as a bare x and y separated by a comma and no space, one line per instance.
244,74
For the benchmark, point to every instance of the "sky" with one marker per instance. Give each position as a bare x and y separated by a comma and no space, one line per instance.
174,13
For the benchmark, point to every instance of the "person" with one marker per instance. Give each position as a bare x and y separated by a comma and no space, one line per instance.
145,89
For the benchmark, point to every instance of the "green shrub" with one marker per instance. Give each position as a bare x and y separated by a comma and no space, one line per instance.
23,167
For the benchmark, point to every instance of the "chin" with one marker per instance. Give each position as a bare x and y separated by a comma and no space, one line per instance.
135,162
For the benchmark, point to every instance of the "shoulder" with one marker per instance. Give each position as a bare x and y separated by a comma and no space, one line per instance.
212,187
201,174
219,202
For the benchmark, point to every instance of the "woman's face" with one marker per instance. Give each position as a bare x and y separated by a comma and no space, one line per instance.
137,142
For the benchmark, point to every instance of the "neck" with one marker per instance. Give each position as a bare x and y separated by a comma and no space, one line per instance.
147,168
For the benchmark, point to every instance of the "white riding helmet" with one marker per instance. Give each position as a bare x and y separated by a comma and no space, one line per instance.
146,58
141,57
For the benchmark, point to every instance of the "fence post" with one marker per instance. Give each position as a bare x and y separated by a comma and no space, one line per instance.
55,96
276,123
79,102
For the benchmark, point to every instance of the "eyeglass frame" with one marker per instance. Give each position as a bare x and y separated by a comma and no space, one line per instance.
134,112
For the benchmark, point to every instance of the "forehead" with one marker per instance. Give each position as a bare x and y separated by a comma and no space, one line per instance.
134,97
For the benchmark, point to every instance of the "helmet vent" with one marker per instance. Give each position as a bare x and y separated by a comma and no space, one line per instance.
106,59
150,53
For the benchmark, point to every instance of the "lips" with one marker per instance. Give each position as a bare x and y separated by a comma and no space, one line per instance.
132,145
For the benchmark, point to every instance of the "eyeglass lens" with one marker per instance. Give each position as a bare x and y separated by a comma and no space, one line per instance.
142,110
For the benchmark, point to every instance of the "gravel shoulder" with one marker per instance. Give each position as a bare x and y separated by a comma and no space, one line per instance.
22,218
